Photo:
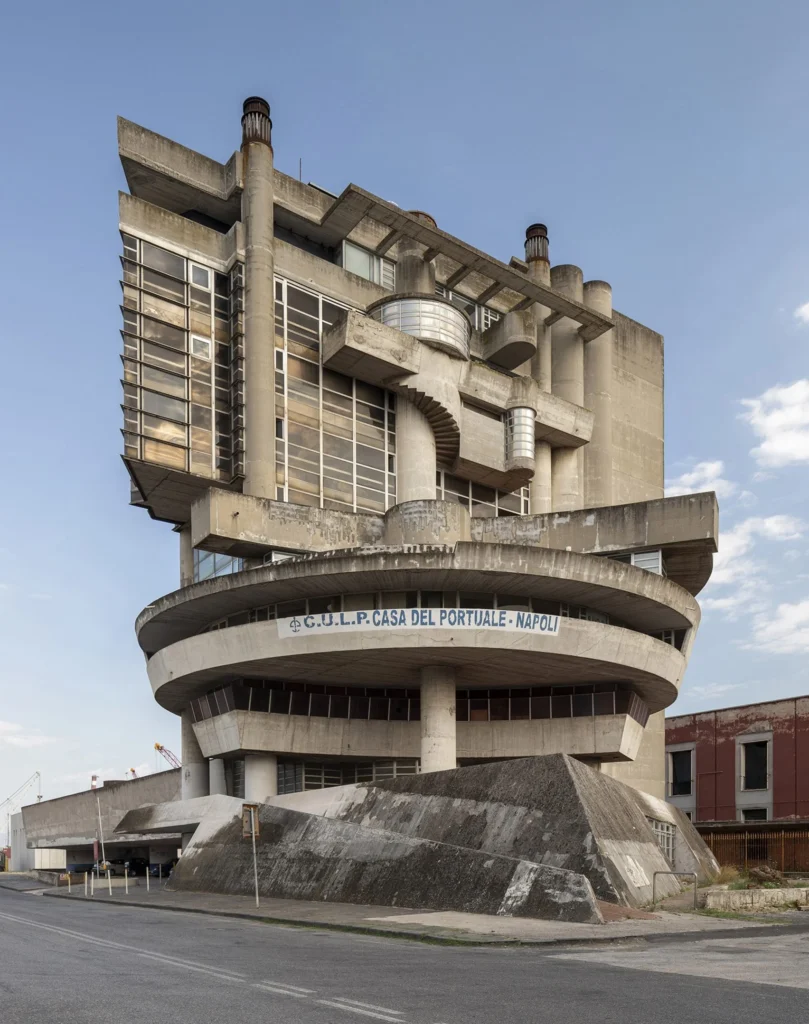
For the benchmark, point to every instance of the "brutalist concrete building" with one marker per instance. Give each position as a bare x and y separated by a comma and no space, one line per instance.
418,490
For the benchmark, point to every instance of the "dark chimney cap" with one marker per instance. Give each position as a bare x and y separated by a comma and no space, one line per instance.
256,105
536,231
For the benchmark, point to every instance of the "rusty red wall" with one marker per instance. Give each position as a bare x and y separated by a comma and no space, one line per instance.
714,734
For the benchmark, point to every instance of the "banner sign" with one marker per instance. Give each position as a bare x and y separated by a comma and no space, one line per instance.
420,618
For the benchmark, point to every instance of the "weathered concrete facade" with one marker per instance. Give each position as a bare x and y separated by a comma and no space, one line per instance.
418,490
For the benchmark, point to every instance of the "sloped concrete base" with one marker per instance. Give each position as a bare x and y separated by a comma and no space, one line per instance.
308,857
537,837
550,810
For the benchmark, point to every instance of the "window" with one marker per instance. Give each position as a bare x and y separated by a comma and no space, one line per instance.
651,561
200,347
755,774
480,501
366,264
680,772
481,316
664,833
176,325
336,445
754,814
208,564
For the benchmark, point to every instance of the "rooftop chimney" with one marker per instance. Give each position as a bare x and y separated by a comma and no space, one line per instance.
536,243
256,123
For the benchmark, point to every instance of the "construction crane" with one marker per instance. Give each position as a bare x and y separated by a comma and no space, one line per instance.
172,759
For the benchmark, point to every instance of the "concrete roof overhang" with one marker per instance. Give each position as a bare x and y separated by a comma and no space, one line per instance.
582,652
354,204
640,599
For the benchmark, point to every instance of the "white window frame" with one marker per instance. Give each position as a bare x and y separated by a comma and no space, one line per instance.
383,270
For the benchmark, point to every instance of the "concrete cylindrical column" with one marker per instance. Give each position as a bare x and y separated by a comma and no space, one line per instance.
598,399
259,300
186,557
567,381
539,271
438,746
216,776
415,454
260,777
414,275
194,772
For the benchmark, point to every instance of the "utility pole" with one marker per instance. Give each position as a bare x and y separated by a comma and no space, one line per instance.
100,831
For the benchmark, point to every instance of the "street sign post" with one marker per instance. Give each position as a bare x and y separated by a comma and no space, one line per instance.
250,831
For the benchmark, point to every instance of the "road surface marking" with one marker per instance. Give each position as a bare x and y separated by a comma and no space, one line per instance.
367,1006
188,967
283,984
279,991
362,1013
109,944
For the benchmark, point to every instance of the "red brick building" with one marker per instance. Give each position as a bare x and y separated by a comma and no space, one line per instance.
748,763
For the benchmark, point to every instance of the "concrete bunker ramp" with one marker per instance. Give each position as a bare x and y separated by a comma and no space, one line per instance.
310,857
551,810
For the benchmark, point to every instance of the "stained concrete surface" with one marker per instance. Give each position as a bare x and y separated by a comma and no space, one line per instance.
81,964
305,856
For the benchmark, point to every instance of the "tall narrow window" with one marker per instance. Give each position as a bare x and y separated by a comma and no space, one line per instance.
754,765
680,772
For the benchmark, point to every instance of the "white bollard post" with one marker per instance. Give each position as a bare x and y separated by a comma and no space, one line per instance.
109,881
148,877
85,883
160,876
92,884
126,881
68,884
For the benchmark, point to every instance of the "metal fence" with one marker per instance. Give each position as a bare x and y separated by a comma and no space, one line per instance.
784,849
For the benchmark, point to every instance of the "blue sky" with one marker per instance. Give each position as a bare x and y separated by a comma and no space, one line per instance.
665,146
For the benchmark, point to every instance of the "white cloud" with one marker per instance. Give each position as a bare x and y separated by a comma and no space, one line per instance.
713,690
784,631
731,563
705,476
780,418
802,313
736,569
13,734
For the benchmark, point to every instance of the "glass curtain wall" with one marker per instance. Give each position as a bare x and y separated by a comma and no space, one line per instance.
335,436
176,334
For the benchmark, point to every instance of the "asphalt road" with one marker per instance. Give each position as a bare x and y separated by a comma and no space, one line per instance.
75,963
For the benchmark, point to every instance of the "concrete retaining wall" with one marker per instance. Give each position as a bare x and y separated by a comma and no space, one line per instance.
304,856
751,900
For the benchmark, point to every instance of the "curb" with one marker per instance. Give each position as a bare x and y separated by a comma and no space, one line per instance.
460,940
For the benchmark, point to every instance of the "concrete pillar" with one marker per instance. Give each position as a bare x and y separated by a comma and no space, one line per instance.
260,777
186,557
259,300
539,270
414,275
438,747
415,454
598,398
195,767
216,777
567,381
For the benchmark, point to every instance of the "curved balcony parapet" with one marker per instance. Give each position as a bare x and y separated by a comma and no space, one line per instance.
431,319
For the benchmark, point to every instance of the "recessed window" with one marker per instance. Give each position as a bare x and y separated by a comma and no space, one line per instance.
755,773
200,347
680,772
201,277
754,814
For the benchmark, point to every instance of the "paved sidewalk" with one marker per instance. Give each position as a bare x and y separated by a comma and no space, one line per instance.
427,925
19,882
